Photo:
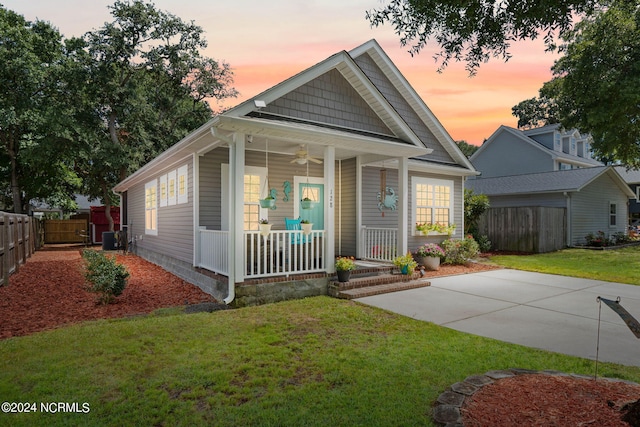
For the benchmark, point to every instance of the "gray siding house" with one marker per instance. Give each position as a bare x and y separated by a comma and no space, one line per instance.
594,199
349,133
511,151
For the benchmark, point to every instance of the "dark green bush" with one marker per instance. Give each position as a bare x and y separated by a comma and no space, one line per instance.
106,276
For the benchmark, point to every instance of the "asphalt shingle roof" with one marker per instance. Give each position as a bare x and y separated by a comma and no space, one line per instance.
545,182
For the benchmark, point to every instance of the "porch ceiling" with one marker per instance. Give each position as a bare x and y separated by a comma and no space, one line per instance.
285,137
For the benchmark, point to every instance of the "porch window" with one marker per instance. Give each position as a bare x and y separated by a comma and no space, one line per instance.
252,184
151,208
432,201
613,214
255,188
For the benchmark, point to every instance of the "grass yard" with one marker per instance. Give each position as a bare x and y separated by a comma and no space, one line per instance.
613,265
313,362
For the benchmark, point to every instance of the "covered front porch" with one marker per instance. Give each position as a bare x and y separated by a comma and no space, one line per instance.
229,241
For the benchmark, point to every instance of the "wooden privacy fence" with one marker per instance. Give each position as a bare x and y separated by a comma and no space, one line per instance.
17,243
65,231
525,229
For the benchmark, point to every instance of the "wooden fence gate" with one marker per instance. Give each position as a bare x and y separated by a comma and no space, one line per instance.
525,229
65,231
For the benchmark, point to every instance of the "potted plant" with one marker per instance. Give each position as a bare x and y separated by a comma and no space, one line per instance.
268,202
344,266
307,203
428,228
429,255
265,227
405,263
306,226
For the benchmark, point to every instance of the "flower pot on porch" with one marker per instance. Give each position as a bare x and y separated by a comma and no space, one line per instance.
431,263
307,204
268,203
343,275
306,228
265,229
404,269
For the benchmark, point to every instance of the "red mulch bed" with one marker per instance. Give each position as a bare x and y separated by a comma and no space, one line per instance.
49,291
545,400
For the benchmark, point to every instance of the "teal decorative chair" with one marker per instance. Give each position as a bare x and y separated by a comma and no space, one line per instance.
294,224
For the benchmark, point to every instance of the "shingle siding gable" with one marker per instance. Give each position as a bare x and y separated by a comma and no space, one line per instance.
397,101
329,99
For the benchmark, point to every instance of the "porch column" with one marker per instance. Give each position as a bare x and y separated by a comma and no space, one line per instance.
235,212
329,206
403,204
359,251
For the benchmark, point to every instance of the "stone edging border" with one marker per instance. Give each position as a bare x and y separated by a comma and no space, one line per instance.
446,410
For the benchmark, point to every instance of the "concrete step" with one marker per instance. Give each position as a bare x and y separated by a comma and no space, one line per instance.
382,282
382,289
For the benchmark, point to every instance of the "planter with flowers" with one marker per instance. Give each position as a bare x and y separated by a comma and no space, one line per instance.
429,256
306,226
265,227
429,229
405,263
344,266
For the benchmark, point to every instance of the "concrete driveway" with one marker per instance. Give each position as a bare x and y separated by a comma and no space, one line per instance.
545,311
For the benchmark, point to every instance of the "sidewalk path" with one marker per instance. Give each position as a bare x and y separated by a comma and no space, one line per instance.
544,311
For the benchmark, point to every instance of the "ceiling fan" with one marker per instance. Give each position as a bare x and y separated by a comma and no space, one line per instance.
302,156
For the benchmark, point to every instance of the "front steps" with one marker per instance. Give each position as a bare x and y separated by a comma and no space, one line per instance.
370,281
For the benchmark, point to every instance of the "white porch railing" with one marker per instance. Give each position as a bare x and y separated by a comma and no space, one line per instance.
281,252
214,251
284,252
379,244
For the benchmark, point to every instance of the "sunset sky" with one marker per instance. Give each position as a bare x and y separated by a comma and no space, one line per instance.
266,42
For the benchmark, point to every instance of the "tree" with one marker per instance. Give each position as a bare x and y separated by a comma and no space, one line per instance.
34,166
466,148
474,206
596,83
147,85
476,30
536,112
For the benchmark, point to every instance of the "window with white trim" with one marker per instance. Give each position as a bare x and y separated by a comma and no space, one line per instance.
183,195
151,208
432,201
613,214
163,191
255,188
171,188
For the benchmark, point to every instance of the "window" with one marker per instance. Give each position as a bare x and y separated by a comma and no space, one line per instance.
171,188
432,201
613,214
252,184
151,208
163,191
255,188
183,195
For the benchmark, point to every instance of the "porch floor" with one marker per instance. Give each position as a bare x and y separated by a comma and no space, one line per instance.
372,278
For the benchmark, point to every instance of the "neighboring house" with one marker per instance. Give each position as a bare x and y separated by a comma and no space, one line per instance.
336,133
511,151
632,178
595,199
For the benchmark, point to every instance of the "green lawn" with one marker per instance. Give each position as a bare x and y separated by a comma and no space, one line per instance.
614,265
318,361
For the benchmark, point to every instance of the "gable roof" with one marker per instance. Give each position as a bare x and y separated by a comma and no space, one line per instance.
523,137
546,182
247,118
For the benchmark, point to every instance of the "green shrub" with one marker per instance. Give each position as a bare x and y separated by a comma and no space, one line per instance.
460,251
483,242
107,277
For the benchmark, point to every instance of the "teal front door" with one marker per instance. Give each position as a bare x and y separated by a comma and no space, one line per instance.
315,215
